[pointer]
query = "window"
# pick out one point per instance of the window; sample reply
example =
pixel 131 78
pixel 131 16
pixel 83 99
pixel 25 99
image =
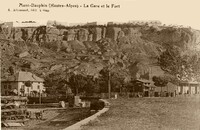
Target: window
pixel 27 89
pixel 38 86
pixel 9 86
pixel 5 86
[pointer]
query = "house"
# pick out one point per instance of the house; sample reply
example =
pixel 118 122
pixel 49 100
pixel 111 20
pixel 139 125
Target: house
pixel 170 88
pixel 189 88
pixel 144 86
pixel 22 84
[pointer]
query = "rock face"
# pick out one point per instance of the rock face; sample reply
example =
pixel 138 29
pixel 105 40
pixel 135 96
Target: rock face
pixel 83 35
pixel 52 34
pixel 18 34
pixel 51 49
pixel 112 33
pixel 97 34
pixel 178 36
pixel 7 48
pixel 23 54
pixel 141 38
pixel 71 35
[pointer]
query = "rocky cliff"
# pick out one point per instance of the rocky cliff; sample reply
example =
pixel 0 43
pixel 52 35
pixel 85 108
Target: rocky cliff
pixel 85 49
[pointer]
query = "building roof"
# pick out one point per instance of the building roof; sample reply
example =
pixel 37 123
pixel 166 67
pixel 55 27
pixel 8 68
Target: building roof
pixel 150 82
pixel 145 80
pixel 24 76
pixel 191 82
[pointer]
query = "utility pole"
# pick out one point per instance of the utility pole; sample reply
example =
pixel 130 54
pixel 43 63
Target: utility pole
pixel 109 86
pixel 40 98
pixel 109 62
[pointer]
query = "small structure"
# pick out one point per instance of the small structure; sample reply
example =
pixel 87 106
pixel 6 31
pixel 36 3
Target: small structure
pixel 26 24
pixel 7 25
pixel 22 84
pixel 76 24
pixel 146 22
pixel 144 87
pixel 95 23
pixel 189 88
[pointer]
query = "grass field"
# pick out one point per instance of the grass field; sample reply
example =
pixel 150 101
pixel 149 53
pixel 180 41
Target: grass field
pixel 166 113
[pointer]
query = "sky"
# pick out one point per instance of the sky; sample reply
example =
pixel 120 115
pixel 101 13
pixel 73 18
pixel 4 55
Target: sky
pixel 180 12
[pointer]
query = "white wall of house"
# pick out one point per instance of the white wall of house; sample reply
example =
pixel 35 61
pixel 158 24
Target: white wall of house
pixel 193 90
pixel 183 89
pixel 36 86
pixel 6 87
pixel 186 89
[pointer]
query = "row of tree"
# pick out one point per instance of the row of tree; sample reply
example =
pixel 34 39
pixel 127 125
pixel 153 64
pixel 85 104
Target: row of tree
pixel 82 84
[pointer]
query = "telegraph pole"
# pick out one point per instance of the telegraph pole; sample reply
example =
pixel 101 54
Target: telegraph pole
pixel 40 97
pixel 109 86
pixel 109 62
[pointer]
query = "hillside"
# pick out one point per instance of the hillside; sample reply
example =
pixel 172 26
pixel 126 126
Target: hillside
pixel 86 50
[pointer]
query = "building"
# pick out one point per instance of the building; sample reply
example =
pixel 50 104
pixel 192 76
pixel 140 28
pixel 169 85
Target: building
pixel 21 24
pixel 51 23
pixel 146 22
pixel 22 84
pixel 144 87
pixel 95 23
pixel 7 25
pixel 112 23
pixel 189 88
pixel 170 88
pixel 76 24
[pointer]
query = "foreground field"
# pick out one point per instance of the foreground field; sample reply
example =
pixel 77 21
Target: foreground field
pixel 175 113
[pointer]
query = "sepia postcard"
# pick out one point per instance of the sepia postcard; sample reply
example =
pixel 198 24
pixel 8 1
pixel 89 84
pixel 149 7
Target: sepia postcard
pixel 100 64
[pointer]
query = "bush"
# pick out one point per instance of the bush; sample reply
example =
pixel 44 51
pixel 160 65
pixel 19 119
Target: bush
pixel 97 105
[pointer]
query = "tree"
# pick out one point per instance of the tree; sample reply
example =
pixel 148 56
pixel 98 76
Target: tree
pixel 77 83
pixel 54 82
pixel 181 67
pixel 90 85
pixel 117 77
pixel 103 80
pixel 28 83
pixel 11 70
pixel 160 81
